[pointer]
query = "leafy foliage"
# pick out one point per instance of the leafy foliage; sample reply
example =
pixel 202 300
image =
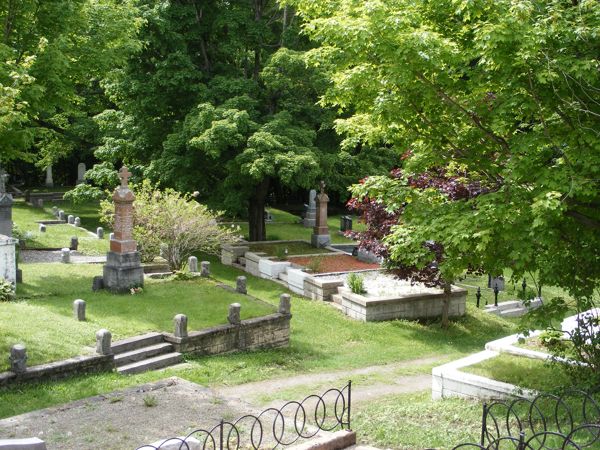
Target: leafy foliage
pixel 7 290
pixel 356 283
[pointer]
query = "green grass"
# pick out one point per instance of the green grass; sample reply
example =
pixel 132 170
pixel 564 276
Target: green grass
pixel 57 236
pixel 522 372
pixel 414 421
pixel 293 248
pixel 42 317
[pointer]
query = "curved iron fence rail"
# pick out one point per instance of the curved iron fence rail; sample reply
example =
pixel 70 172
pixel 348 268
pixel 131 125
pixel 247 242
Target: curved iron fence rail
pixel 272 427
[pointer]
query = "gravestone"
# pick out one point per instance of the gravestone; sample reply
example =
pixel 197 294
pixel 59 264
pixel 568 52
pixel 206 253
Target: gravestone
pixel 234 314
pixel 496 282
pixel 345 223
pixel 310 215
pixel 65 255
pixel 205 268
pixel 77 222
pixel 100 232
pixel 79 310
pixel 193 264
pixel 42 228
pixel 8 259
pixel 70 219
pixel 268 217
pixel 241 285
pixel 123 269
pixel 6 202
pixel 111 236
pixel 80 173
pixel 320 236
pixel 62 216
pixel 285 304
pixel 97 283
pixel 103 342
pixel 180 323
pixel 74 243
pixel 55 211
pixel 18 358
pixel 49 181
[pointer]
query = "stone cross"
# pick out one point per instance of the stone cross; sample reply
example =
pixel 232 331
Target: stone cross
pixel 124 175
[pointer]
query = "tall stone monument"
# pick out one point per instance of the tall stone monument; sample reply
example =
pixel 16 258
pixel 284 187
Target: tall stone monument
pixel 49 181
pixel 320 236
pixel 123 268
pixel 80 173
pixel 310 219
pixel 6 202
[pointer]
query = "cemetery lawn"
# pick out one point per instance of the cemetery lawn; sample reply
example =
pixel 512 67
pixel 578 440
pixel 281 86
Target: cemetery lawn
pixel 522 372
pixel 322 338
pixel 42 316
pixel 56 236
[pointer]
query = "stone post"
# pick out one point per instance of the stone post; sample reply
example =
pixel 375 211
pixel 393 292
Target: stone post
pixel 234 314
pixel 65 254
pixel 77 222
pixel 123 269
pixel 42 228
pixel 180 321
pixel 74 243
pixel 285 304
pixel 103 342
pixel 49 181
pixel 205 269
pixel 79 310
pixel 241 285
pixel 100 232
pixel 193 264
pixel 18 358
pixel 320 236
pixel 6 202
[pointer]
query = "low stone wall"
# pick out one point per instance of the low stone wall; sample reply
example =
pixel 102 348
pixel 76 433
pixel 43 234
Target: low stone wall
pixel 261 332
pixel 318 289
pixel 61 369
pixel 413 306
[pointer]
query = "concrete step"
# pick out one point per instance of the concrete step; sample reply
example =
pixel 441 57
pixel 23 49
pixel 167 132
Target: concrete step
pixel 139 354
pixel 283 276
pixel 336 298
pixel 157 362
pixel 136 342
pixel 515 312
pixel 502 306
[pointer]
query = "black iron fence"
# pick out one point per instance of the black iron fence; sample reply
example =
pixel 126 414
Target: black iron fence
pixel 273 427
pixel 546 422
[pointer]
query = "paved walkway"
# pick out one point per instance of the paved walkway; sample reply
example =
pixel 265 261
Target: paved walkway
pixel 42 256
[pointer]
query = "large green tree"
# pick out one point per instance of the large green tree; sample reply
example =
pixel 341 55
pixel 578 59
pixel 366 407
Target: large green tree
pixel 505 94
pixel 53 54
pixel 221 101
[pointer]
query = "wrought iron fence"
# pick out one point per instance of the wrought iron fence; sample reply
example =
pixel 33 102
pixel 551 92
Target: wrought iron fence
pixel 273 427
pixel 546 422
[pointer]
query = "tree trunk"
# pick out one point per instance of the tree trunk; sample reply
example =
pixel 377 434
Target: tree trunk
pixel 256 212
pixel 446 305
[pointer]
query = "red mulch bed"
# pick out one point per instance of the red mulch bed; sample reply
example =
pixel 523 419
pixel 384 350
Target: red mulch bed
pixel 337 263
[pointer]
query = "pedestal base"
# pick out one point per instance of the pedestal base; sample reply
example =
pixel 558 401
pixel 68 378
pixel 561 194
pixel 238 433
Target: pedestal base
pixel 320 240
pixel 122 272
pixel 310 220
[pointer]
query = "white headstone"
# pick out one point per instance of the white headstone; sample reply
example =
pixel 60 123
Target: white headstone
pixel 49 180
pixel 8 261
pixel 80 172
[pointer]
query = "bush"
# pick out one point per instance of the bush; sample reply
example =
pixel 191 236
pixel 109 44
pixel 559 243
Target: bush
pixel 172 224
pixel 356 283
pixel 7 290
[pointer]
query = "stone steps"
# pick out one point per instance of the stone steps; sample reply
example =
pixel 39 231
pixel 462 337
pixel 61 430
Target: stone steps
pixel 140 354
pixel 136 342
pixel 514 312
pixel 336 298
pixel 283 276
pixel 156 362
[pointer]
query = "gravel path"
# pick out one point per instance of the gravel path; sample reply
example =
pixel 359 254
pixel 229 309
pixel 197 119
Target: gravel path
pixel 39 256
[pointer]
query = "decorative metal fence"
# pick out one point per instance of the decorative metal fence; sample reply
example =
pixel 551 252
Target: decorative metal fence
pixel 546 422
pixel 273 427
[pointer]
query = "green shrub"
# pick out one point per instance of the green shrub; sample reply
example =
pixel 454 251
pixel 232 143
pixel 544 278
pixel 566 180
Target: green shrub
pixel 314 265
pixel 7 290
pixel 356 283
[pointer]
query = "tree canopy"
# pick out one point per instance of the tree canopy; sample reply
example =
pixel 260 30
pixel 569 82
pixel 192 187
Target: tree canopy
pixel 505 94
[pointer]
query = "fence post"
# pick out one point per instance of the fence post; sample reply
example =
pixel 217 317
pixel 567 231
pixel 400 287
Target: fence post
pixel 221 435
pixel 478 296
pixel 349 402
pixel 484 423
pixel 521 441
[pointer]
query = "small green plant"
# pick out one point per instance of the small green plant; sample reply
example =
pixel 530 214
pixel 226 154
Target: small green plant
pixel 282 253
pixel 7 290
pixel 314 265
pixel 553 340
pixel 356 283
pixel 150 401
pixel 180 275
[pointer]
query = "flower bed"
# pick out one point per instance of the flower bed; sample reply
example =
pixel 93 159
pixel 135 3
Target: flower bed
pixel 332 263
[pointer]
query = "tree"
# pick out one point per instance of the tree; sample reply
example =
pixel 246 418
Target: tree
pixel 503 93
pixel 53 55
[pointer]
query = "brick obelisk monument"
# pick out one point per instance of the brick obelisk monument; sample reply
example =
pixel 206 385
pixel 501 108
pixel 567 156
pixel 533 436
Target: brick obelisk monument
pixel 320 236
pixel 123 269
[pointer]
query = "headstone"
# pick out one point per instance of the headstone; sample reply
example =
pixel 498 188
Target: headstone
pixel 49 181
pixel 62 216
pixel 100 232
pixel 240 285
pixel 6 202
pixel 65 254
pixel 97 283
pixel 496 281
pixel 285 304
pixel 80 173
pixel 24 444
pixel 38 203
pixel 18 358
pixel 71 219
pixel 268 217
pixel 234 314
pixel 345 223
pixel 55 211
pixel 79 310
pixel 310 216
pixel 42 228
pixel 180 322
pixel 8 259
pixel 320 236
pixel 205 269
pixel 123 269
pixel 111 236
pixel 193 264
pixel 74 243
pixel 103 342
pixel 77 222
